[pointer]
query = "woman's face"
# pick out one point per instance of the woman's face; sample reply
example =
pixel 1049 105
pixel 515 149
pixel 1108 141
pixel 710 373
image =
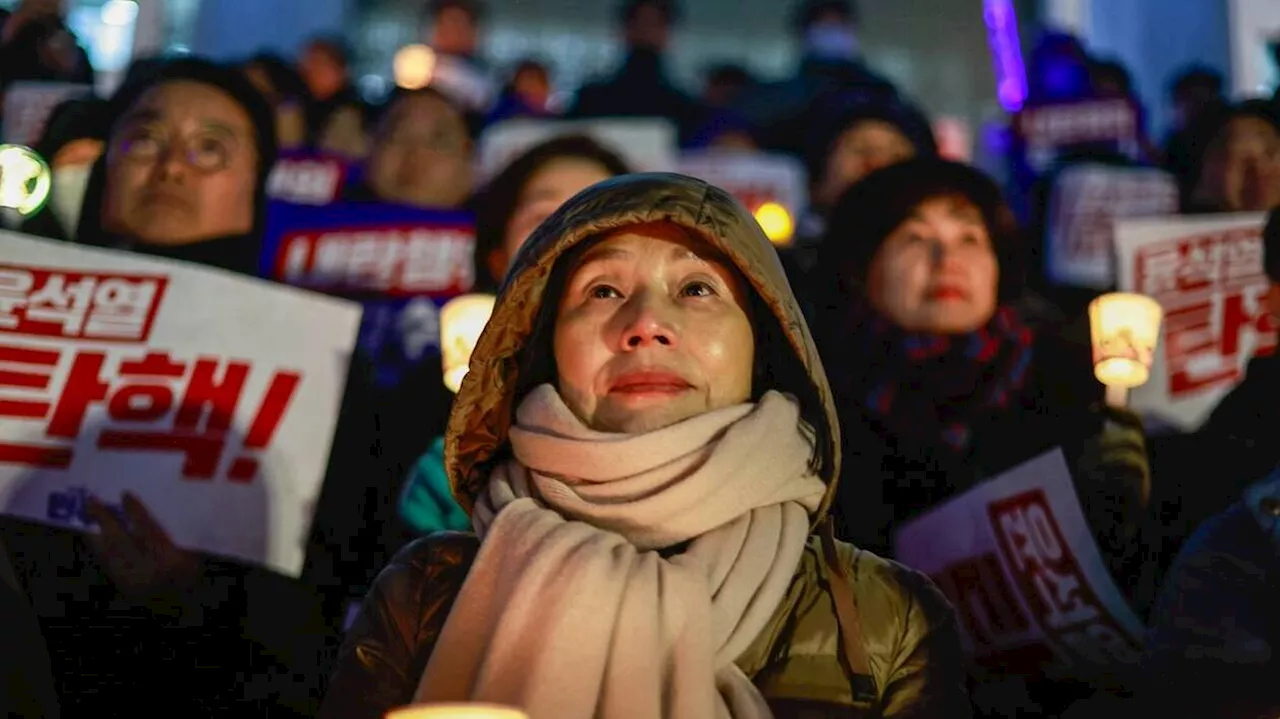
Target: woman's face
pixel 652 329
pixel 1242 169
pixel 553 184
pixel 422 157
pixel 937 271
pixel 182 166
pixel 860 150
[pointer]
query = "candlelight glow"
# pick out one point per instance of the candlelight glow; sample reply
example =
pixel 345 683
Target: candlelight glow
pixel 457 711
pixel 462 319
pixel 414 66
pixel 25 179
pixel 1125 329
pixel 776 223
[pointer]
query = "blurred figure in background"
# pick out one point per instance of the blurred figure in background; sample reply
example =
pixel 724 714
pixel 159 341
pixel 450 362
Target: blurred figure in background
pixel 36 44
pixel 725 85
pixel 285 90
pixel 527 191
pixel 452 29
pixel 723 125
pixel 421 153
pixel 527 94
pixel 1196 91
pixel 336 115
pixel 846 146
pixel 641 87
pixel 74 138
pixel 1216 622
pixel 1237 167
pixel 831 70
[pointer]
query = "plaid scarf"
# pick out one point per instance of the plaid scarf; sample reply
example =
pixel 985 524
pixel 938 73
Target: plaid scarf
pixel 932 389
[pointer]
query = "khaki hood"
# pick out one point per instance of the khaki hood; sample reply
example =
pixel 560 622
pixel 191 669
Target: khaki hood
pixel 483 409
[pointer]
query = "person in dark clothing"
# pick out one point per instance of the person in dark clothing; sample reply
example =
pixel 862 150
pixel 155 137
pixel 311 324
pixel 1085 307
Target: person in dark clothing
pixel 26 678
pixel 831 70
pixel 641 86
pixel 1215 624
pixel 1236 160
pixel 526 95
pixel 941 381
pixel 1194 92
pixel 36 44
pixel 73 140
pixel 287 94
pixel 1235 445
pixel 184 177
pixel 334 106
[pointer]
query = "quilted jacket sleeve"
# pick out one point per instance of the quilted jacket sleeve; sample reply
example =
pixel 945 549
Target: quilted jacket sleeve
pixel 387 648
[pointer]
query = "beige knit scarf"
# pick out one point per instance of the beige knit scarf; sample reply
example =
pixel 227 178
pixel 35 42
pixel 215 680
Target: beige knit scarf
pixel 570 612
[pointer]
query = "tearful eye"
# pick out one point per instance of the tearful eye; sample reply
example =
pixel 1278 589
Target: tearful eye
pixel 698 289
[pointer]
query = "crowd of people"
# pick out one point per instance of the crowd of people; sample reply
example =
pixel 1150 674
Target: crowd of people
pixel 671 483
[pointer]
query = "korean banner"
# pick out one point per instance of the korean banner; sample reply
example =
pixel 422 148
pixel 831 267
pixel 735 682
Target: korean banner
pixel 27 106
pixel 1086 199
pixel 646 145
pixel 1046 130
pixel 305 179
pixel 1017 560
pixel 401 263
pixel 1207 274
pixel 210 396
pixel 753 177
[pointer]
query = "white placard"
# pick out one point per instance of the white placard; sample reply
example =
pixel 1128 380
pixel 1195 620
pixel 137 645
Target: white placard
pixel 646 145
pixel 210 396
pixel 1207 274
pixel 753 177
pixel 27 106
pixel 1017 560
pixel 1085 202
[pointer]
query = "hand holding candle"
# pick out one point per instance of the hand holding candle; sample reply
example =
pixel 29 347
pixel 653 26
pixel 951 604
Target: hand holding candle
pixel 1125 328
pixel 462 319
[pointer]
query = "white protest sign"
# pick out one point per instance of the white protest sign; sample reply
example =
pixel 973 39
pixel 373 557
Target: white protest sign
pixel 1207 274
pixel 210 396
pixel 27 106
pixel 646 145
pixel 753 177
pixel 1017 560
pixel 307 180
pixel 1086 200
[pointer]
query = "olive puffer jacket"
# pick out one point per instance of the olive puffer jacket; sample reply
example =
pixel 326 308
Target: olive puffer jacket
pixel 856 635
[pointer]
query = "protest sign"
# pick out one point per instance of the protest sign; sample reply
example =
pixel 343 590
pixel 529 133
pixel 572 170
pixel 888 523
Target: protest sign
pixel 1207 274
pixel 646 145
pixel 1086 200
pixel 27 106
pixel 1017 560
pixel 210 396
pixel 753 177
pixel 401 263
pixel 1048 129
pixel 307 179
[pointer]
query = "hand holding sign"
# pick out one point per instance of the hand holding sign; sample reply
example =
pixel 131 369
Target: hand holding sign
pixel 138 553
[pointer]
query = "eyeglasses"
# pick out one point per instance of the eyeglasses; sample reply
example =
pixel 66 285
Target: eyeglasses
pixel 204 151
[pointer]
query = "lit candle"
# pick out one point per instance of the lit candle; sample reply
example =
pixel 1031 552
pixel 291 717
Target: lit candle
pixel 776 223
pixel 414 66
pixel 1125 329
pixel 457 711
pixel 462 319
pixel 25 179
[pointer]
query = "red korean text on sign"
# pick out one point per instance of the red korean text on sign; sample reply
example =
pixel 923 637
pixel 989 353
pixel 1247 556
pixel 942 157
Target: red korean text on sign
pixel 1213 290
pixel 44 302
pixel 1051 581
pixel 154 403
pixel 434 261
pixel 995 622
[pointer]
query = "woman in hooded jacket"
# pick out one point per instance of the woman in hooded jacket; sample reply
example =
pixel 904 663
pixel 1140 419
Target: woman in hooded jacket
pixel 647 446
